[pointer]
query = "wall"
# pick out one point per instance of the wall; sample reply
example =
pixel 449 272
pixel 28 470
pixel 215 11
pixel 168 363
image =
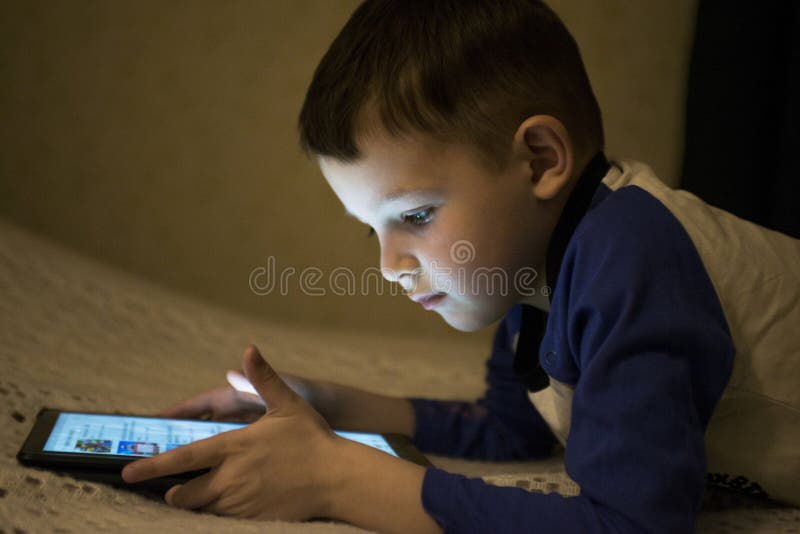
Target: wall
pixel 160 137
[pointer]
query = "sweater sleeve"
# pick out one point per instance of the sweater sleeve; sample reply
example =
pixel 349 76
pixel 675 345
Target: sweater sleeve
pixel 636 326
pixel 501 425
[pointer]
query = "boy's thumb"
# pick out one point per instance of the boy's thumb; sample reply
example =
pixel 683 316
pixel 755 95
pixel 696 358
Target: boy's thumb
pixel 269 385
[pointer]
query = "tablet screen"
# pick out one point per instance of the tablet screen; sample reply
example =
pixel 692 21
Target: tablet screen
pixel 123 435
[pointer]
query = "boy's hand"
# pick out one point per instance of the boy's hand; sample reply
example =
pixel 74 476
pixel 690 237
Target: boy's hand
pixel 220 404
pixel 227 404
pixel 278 467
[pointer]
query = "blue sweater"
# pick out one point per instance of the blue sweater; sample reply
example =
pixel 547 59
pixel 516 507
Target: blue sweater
pixel 635 326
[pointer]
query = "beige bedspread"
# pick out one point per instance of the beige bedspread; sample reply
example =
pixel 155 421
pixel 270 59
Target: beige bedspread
pixel 75 334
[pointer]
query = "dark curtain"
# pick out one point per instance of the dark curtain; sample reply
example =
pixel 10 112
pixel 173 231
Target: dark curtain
pixel 742 150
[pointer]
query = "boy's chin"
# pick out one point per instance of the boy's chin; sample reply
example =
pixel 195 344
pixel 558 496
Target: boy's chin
pixel 466 322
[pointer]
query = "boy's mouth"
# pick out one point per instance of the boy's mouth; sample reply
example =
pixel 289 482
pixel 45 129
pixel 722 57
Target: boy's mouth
pixel 429 300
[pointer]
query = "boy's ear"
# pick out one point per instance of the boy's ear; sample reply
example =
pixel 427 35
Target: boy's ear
pixel 545 148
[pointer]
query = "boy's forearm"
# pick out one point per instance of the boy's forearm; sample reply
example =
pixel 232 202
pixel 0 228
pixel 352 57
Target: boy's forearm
pixel 376 491
pixel 348 408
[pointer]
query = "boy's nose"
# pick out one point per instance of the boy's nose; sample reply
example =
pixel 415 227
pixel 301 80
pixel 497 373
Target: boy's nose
pixel 404 276
pixel 399 268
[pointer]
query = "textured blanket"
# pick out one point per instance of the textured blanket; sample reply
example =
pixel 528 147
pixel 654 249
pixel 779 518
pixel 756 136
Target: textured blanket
pixel 75 334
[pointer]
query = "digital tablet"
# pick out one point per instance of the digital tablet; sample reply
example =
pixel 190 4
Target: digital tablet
pixel 95 446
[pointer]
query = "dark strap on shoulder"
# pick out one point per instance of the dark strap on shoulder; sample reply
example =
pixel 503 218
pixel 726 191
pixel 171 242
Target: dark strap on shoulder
pixel 526 358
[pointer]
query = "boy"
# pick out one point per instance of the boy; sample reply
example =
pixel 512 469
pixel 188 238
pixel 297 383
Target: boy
pixel 662 346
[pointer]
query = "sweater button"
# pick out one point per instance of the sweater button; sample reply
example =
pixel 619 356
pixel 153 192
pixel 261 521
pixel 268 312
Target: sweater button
pixel 549 356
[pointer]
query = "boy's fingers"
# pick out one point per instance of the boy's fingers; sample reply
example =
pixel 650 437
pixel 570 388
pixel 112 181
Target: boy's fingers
pixel 196 493
pixel 265 380
pixel 240 383
pixel 198 455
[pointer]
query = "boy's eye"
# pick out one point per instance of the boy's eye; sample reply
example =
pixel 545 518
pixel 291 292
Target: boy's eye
pixel 420 218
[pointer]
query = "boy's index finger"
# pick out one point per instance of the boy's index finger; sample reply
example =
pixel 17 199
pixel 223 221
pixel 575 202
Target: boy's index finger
pixel 191 457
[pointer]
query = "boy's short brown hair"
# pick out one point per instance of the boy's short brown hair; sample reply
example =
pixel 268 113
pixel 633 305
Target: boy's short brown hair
pixel 463 71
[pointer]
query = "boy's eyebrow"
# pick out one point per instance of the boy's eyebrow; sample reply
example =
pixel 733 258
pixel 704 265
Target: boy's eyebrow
pixel 397 195
pixel 401 193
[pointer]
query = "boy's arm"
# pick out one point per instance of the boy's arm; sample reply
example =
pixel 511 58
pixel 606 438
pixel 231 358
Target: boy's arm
pixel 502 425
pixel 376 491
pixel 356 410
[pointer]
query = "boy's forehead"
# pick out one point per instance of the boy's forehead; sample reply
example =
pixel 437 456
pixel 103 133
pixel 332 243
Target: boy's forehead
pixel 388 172
pixel 398 165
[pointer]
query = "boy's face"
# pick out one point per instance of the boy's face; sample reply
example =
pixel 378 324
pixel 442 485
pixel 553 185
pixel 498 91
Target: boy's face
pixel 447 225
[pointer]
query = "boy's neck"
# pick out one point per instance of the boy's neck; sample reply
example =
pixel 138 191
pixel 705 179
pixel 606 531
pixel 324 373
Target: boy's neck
pixel 576 204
